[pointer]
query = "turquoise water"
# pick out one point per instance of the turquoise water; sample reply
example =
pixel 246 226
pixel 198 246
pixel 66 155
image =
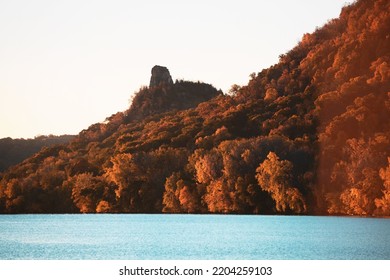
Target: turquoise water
pixel 130 236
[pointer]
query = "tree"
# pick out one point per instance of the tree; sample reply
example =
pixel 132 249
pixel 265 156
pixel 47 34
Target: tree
pixel 125 174
pixel 171 203
pixel 180 196
pixel 274 176
pixel 383 203
pixel 355 201
pixel 88 193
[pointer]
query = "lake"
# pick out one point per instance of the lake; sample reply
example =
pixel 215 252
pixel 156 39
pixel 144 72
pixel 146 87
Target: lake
pixel 164 237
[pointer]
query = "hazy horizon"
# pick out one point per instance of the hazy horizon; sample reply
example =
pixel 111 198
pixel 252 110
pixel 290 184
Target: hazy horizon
pixel 69 64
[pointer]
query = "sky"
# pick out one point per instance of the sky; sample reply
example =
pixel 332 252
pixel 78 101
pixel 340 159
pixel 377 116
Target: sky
pixel 66 64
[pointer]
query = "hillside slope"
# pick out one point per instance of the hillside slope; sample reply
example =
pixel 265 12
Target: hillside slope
pixel 307 135
pixel 13 151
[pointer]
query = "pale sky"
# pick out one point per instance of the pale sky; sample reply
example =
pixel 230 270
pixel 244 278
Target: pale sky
pixel 67 64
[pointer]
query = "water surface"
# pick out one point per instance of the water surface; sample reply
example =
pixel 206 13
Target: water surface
pixel 142 236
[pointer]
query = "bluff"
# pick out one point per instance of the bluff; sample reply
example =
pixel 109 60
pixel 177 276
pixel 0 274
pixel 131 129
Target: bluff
pixel 160 75
pixel 163 95
pixel 308 135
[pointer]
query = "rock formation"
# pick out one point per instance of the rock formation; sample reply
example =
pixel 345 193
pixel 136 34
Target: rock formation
pixel 160 75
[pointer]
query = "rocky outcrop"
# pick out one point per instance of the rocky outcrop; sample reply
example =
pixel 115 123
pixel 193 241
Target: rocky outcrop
pixel 160 75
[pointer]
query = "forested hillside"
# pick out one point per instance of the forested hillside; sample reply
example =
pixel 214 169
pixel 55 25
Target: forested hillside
pixel 309 135
pixel 13 151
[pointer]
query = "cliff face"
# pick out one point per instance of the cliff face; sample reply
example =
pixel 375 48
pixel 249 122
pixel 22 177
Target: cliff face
pixel 307 135
pixel 160 75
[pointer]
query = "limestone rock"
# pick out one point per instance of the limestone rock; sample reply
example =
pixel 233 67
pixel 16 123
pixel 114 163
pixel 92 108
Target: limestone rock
pixel 160 75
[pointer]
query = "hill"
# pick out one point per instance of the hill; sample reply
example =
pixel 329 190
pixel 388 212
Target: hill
pixel 13 151
pixel 307 135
